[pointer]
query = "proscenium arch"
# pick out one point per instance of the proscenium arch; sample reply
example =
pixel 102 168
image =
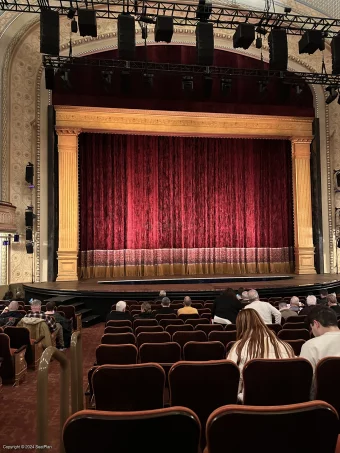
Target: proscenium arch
pixel 108 41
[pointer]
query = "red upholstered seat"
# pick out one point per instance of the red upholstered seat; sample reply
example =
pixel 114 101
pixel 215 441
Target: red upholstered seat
pixel 294 334
pixel 195 322
pixel 122 354
pixel 224 337
pixel 153 337
pixel 180 328
pixel 183 337
pixel 202 351
pixel 118 338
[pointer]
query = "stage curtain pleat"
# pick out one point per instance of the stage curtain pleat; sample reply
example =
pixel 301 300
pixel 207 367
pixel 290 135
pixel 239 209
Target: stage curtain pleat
pixel 153 205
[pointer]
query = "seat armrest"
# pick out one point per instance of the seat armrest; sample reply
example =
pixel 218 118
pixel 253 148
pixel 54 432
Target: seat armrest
pixel 21 349
pixel 78 321
pixel 40 339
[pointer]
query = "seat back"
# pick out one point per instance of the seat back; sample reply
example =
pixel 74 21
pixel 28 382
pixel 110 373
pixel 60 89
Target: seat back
pixel 119 387
pixel 225 422
pixel 296 319
pixel 180 328
pixel 296 345
pixel 144 322
pixel 118 338
pixel 204 386
pixel 70 313
pixel 194 322
pixel 183 337
pixel 326 381
pixel 160 352
pixel 224 337
pixel 141 329
pixel 294 334
pixel 185 317
pixel 177 428
pixel 275 327
pixel 7 365
pixel 207 328
pixel 153 337
pixel 270 382
pixel 119 323
pixel 230 327
pixel 111 329
pixel 203 351
pixel 165 316
pixel 294 325
pixel 116 354
pixel 20 336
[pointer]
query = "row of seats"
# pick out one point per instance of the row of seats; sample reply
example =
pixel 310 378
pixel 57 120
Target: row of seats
pixel 177 429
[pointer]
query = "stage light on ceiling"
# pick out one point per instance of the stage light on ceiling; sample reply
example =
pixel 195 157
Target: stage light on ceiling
pixel 187 84
pixel 164 29
pixel 207 86
pixel 287 10
pixel 261 31
pixel 226 85
pixel 333 93
pixel 204 9
pixel 74 26
pixel 244 36
pixel 258 43
pixel 311 41
pixel 71 13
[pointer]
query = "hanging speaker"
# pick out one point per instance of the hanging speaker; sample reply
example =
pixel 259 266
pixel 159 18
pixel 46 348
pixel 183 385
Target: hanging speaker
pixel 126 37
pixel 29 219
pixel 29 248
pixel 49 32
pixel 49 78
pixel 278 49
pixel 87 22
pixel 311 41
pixel 244 36
pixel 164 28
pixel 205 43
pixel 335 46
pixel 29 234
pixel 29 174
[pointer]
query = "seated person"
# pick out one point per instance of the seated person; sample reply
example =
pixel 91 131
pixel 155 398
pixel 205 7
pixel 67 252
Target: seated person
pixel 264 309
pixel 333 303
pixel 311 302
pixel 322 299
pixel 165 310
pixel 159 298
pixel 187 309
pixel 255 341
pixel 19 295
pixel 285 311
pixel 52 325
pixel 226 307
pixel 8 295
pixel 145 312
pixel 295 304
pixel 120 313
pixel 66 324
pixel 10 316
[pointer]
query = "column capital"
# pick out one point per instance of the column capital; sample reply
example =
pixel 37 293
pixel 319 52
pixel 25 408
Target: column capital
pixel 70 131
pixel 301 148
pixel 301 140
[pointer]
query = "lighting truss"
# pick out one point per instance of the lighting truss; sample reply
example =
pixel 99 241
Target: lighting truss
pixel 183 14
pixel 58 63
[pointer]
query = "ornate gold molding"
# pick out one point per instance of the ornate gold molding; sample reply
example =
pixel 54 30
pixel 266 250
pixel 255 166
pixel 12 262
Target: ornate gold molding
pixel 7 217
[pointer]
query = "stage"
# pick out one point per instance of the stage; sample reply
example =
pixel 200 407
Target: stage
pixel 99 297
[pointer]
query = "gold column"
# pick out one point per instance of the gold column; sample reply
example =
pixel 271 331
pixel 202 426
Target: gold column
pixel 303 228
pixel 68 204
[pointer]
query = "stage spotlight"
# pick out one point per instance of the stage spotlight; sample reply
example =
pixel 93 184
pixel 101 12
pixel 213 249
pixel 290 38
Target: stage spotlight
pixel 74 26
pixel 107 79
pixel 148 80
pixel 278 49
pixel 261 31
pixel 49 32
pixel 244 36
pixel 29 234
pixel 207 86
pixel 226 85
pixel 187 84
pixel 287 10
pixel 65 77
pixel 144 33
pixel 29 248
pixel 16 237
pixel 298 90
pixel 71 13
pixel 263 86
pixel 29 219
pixel 258 43
pixel 29 174
pixel 335 46
pixel 164 28
pixel 126 37
pixel 333 93
pixel 87 22
pixel 204 10
pixel 311 41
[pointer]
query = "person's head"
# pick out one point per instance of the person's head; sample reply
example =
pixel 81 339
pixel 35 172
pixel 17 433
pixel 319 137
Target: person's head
pixel 187 301
pixel 323 294
pixel 121 306
pixel 19 295
pixel 165 302
pixel 253 295
pixel 36 306
pixel 311 300
pixel 240 291
pixel 245 296
pixel 250 328
pixel 283 306
pixel 294 302
pixel 50 306
pixel 8 295
pixel 322 319
pixel 331 300
pixel 145 307
pixel 13 306
pixel 162 293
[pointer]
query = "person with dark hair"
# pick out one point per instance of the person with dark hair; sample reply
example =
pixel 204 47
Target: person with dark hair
pixel 322 299
pixel 8 295
pixel 145 312
pixel 239 293
pixel 323 323
pixel 333 303
pixel 66 324
pixel 166 309
pixel 226 307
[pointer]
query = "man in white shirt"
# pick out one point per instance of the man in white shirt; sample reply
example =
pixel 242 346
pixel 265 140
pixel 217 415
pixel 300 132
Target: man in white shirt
pixel 264 309
pixel 325 329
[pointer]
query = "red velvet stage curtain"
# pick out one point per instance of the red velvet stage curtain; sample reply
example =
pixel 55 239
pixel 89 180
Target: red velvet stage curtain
pixel 154 205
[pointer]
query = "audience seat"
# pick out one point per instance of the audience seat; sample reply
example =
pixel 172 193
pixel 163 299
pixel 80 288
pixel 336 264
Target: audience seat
pixel 209 305
pixel 207 316
pixel 70 313
pixel 13 364
pixel 194 322
pixel 165 354
pixel 203 387
pixel 224 337
pixel 165 316
pixel 296 319
pixel 294 334
pixel 275 327
pixel 120 323
pixel 310 427
pixel 201 311
pixel 186 317
pixel 183 337
pixel 20 336
pixel 230 327
pixel 197 305
pixel 111 329
pixel 180 328
pixel 126 387
pixel 327 381
pixel 296 345
pixel 203 351
pixel 207 328
pixel 118 338
pixel 171 322
pixel 294 325
pixel 229 347
pixel 169 430
pixel 141 329
pixel 144 322
pixel 116 354
pixel 270 382
pixel 153 337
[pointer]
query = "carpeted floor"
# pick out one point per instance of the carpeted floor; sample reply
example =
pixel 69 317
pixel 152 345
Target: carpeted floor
pixel 18 404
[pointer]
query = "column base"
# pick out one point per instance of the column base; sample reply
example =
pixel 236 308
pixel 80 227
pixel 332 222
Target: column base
pixel 304 260
pixel 67 266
